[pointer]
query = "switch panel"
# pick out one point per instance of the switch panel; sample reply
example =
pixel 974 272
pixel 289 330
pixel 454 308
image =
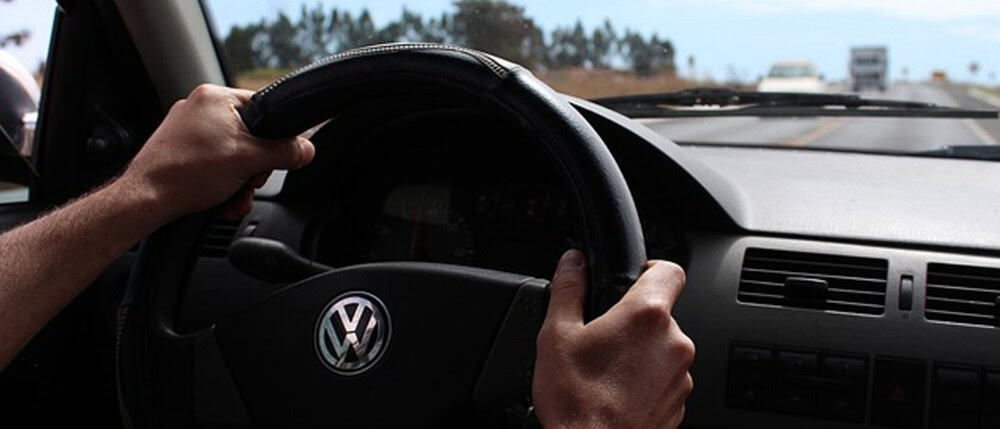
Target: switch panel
pixel 798 382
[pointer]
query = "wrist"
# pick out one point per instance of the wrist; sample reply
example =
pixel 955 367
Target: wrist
pixel 145 201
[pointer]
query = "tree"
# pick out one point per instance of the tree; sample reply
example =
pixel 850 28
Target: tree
pixel 313 36
pixel 16 38
pixel 603 44
pixel 285 48
pixel 497 27
pixel 569 48
pixel 240 52
pixel 494 26
pixel 648 58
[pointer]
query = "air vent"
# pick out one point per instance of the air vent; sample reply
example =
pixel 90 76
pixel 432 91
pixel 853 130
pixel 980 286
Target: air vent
pixel 218 236
pixel 815 281
pixel 964 294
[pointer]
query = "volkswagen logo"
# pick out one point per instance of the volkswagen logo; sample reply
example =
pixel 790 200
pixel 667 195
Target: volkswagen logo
pixel 352 333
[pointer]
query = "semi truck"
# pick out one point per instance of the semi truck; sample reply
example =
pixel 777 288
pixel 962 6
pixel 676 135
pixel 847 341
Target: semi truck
pixel 869 67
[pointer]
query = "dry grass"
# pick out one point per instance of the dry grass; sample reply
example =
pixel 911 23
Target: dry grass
pixel 6 186
pixel 603 83
pixel 257 79
pixel 579 82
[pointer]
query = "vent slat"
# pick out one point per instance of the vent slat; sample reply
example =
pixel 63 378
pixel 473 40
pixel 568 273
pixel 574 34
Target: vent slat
pixel 960 317
pixel 218 236
pixel 853 284
pixel 962 294
pixel 813 274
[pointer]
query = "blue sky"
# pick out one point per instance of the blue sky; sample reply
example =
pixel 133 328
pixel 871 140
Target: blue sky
pixel 743 35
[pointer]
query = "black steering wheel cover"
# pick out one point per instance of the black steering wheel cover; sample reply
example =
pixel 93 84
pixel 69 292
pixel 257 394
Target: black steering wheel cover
pixel 612 232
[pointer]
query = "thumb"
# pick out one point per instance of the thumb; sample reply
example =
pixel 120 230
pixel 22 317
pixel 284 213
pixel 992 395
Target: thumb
pixel 287 154
pixel 569 286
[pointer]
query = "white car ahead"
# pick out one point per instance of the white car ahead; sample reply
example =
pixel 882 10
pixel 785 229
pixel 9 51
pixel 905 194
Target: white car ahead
pixel 792 76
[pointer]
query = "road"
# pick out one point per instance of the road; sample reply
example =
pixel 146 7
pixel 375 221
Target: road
pixel 877 134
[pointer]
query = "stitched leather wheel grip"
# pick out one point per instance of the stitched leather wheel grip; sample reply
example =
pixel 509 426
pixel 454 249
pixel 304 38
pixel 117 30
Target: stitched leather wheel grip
pixel 612 233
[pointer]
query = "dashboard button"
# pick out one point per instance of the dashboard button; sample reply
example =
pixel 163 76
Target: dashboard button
pixel 956 395
pixel 796 399
pixel 843 404
pixel 898 392
pixel 792 363
pixel 749 382
pixel 742 394
pixel 843 397
pixel 796 390
pixel 956 389
pixel 751 357
pixel 844 368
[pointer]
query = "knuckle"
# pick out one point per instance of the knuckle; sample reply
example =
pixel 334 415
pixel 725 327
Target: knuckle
pixel 547 337
pixel 177 105
pixel 684 350
pixel 202 91
pixel 652 312
pixel 554 340
pixel 670 270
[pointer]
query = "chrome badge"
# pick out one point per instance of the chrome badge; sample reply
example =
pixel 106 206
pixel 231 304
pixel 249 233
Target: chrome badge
pixel 352 333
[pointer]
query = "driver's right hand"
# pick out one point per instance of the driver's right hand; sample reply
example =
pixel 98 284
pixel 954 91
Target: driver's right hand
pixel 625 369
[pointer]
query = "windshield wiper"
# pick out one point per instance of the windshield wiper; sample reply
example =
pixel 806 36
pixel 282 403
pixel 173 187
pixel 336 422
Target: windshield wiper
pixel 728 102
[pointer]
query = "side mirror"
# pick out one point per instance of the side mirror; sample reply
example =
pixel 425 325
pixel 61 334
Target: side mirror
pixel 19 95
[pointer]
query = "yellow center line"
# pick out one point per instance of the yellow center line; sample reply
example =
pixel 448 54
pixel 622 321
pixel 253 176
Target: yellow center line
pixel 828 126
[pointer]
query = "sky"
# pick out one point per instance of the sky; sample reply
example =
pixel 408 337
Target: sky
pixel 723 36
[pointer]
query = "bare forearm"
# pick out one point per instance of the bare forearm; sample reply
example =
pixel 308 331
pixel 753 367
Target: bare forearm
pixel 46 263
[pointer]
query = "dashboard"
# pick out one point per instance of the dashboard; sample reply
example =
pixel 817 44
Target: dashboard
pixel 898 326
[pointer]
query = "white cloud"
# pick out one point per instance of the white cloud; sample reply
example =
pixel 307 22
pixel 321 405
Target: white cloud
pixel 991 33
pixel 926 10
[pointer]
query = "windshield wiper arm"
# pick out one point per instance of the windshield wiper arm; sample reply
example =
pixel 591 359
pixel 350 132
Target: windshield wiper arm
pixel 728 102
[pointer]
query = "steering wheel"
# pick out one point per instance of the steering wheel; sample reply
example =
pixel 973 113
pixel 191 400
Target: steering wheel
pixel 384 344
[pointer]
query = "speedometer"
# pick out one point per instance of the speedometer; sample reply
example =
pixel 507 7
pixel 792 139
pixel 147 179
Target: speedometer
pixel 420 223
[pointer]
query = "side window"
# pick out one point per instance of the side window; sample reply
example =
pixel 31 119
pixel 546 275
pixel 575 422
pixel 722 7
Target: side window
pixel 25 29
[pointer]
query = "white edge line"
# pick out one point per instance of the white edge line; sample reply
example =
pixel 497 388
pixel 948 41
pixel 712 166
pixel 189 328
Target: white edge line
pixel 984 97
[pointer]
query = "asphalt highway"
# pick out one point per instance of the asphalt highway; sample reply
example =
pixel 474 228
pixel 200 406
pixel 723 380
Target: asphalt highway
pixel 856 133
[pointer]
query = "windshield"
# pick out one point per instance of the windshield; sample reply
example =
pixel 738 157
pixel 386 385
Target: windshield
pixel 941 52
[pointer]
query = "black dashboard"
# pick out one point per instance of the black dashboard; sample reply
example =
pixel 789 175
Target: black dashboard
pixel 897 325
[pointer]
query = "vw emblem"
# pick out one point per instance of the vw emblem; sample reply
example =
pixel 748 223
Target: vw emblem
pixel 352 333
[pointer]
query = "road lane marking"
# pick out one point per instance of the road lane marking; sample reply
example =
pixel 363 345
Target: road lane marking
pixel 984 97
pixel 978 130
pixel 827 127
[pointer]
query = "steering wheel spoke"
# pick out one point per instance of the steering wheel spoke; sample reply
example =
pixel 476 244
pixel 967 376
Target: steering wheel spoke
pixel 413 335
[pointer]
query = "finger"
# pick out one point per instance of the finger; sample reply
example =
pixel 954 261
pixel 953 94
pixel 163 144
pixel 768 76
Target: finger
pixel 285 154
pixel 662 282
pixel 677 418
pixel 259 180
pixel 242 96
pixel 568 289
